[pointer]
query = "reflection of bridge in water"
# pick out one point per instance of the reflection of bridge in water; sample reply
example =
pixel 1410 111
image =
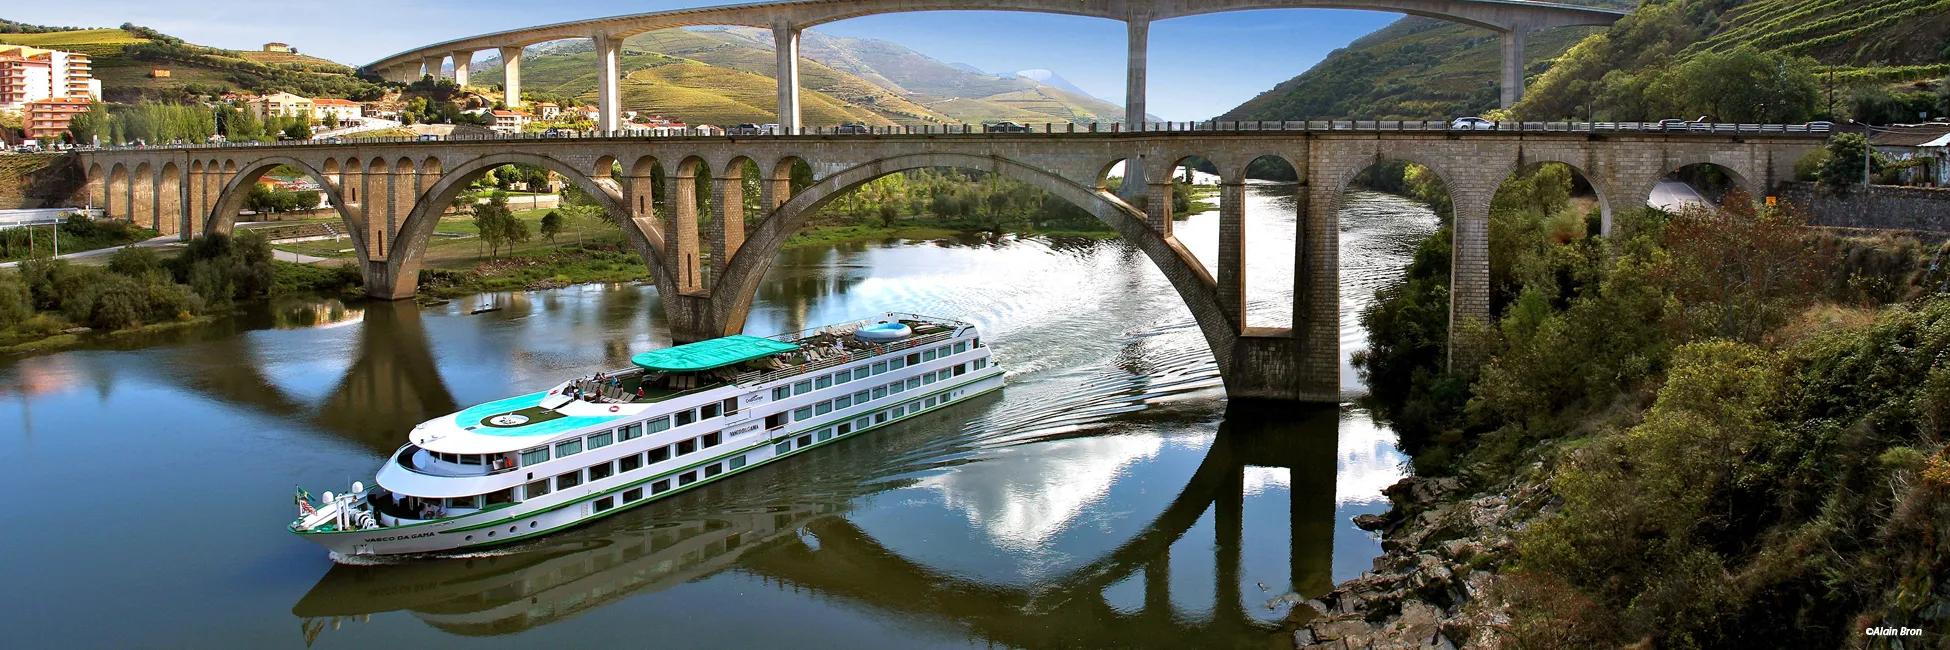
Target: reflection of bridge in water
pixel 812 545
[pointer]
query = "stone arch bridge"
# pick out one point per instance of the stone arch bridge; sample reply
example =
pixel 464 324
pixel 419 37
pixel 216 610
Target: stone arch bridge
pixel 390 196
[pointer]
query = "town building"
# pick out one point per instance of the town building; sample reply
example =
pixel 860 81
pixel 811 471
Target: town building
pixel 548 111
pixel 281 104
pixel 506 121
pixel 47 119
pixel 29 74
pixel 1929 143
pixel 276 47
pixel 336 110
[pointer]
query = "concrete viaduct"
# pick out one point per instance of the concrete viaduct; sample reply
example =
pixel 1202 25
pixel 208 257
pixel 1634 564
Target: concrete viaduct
pixel 1511 19
pixel 391 195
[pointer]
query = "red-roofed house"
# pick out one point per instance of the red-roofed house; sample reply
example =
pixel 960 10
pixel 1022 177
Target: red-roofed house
pixel 507 121
pixel 336 109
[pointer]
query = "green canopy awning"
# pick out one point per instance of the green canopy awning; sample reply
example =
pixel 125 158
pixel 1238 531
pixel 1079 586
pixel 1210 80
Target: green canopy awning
pixel 715 353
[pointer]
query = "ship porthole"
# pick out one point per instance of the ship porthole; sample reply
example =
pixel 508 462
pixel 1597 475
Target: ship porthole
pixel 531 524
pixel 490 533
pixel 470 538
pixel 512 529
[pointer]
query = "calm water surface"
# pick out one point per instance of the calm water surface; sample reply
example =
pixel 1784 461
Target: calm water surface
pixel 1109 496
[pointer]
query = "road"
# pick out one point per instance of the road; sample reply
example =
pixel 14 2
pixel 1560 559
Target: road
pixel 157 242
pixel 1673 196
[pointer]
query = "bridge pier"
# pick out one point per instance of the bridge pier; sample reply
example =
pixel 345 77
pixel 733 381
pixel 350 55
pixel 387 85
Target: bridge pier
pixel 511 81
pixel 609 52
pixel 785 45
pixel 461 61
pixel 1513 42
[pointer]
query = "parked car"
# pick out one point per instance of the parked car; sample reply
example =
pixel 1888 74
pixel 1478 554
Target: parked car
pixel 1472 124
pixel 853 128
pixel 1006 127
pixel 1821 124
pixel 426 137
pixel 743 129
pixel 1674 125
pixel 770 129
pixel 555 133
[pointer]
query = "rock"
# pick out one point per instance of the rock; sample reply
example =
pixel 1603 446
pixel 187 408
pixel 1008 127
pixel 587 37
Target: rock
pixel 1441 642
pixel 1318 606
pixel 1303 637
pixel 1371 522
pixel 1341 629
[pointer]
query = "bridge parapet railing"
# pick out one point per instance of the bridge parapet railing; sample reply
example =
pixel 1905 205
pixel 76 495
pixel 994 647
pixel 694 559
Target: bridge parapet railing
pixel 1069 129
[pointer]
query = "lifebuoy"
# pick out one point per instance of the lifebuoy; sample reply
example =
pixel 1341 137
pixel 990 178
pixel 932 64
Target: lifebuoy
pixel 614 409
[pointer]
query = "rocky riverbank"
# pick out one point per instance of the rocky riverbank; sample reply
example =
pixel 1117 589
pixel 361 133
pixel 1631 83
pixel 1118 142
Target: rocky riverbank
pixel 1432 587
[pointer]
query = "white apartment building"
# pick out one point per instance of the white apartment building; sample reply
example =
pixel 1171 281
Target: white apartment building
pixel 29 74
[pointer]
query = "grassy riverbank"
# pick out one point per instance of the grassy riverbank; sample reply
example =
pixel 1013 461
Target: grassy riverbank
pixel 1654 443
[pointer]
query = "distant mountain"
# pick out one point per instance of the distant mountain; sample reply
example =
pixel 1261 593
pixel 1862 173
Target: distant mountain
pixel 724 76
pixel 1050 78
pixel 968 67
pixel 125 60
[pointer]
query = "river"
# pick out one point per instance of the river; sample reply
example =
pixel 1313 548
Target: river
pixel 1109 496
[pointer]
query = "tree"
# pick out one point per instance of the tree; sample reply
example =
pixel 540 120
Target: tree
pixel 1847 152
pixel 551 225
pixel 498 226
pixel 1740 271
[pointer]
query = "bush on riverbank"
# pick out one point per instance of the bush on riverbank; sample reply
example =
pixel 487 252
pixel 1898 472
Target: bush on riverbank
pixel 540 269
pixel 77 234
pixel 1732 455
pixel 133 290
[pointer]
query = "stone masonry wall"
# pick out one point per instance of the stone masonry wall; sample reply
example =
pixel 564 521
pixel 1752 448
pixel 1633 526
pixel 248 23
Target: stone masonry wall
pixel 1883 207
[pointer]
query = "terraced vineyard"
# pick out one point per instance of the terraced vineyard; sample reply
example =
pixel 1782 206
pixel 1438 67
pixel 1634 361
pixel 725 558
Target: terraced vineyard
pixel 1885 40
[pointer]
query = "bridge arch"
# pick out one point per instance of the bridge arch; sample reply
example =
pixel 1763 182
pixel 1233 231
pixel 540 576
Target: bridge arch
pixel 236 188
pixel 402 270
pixel 1608 209
pixel 730 300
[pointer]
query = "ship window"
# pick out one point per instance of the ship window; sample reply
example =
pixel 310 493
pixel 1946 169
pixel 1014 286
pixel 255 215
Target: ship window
pixel 860 424
pixel 842 376
pixel 879 367
pixel 660 424
pixel 632 494
pixel 802 388
pixel 927 355
pixel 630 432
pixel 463 502
pixel 605 503
pixel 735 462
pixel 931 402
pixel 981 363
pixel 961 346
pixel 781 392
pixel 880 418
pixel 533 456
pixel 687 478
pixel 568 448
pixel 896 364
pixel 601 440
pixel 896 387
pixel 629 463
pixel 775 420
pixel 927 378
pixel 568 480
pixel 843 402
pixel 825 381
pixel 823 408
pixel 825 434
pixel 782 448
pixel 713 438
pixel 660 454
pixel 535 489
pixel 914 406
pixel 600 472
pixel 713 469
pixel 960 368
pixel 879 392
pixel 686 416
pixel 860 397
pixel 687 446
pixel 913 383
pixel 730 405
pixel 470 459
pixel 660 487
pixel 805 441
pixel 498 497
pixel 708 411
pixel 913 358
pixel 802 413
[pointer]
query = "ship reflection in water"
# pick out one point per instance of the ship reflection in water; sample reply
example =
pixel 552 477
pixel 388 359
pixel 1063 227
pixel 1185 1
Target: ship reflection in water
pixel 1125 595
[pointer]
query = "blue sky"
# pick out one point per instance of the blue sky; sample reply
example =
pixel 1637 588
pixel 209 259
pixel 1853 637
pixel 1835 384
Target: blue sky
pixel 1200 66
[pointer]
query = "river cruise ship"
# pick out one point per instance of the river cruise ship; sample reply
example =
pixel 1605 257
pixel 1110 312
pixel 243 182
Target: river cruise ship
pixel 679 417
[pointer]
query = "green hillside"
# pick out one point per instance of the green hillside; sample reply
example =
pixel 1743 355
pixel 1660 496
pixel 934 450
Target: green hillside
pixel 724 76
pixel 1420 68
pixel 123 58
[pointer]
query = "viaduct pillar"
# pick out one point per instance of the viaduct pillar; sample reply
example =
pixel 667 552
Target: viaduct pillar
pixel 785 44
pixel 511 62
pixel 461 61
pixel 727 218
pixel 609 51
pixel 432 67
pixel 1232 249
pixel 1139 43
pixel 1513 42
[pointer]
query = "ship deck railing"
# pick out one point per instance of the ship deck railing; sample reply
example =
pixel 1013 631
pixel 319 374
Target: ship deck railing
pixel 756 377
